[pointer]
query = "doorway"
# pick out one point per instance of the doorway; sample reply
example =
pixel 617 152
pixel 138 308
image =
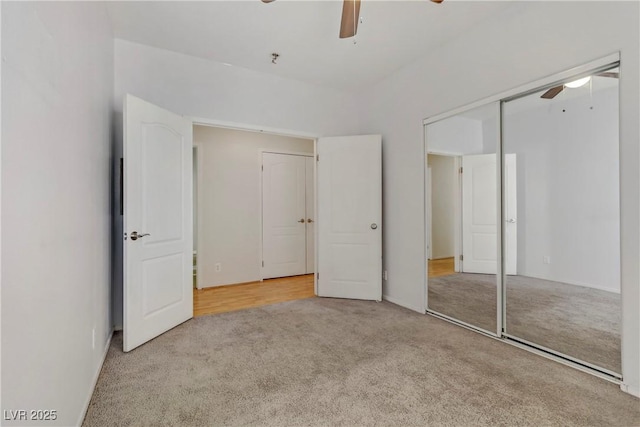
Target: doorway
pixel 229 218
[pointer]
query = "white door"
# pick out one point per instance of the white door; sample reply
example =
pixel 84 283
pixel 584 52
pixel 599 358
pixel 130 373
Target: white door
pixel 479 214
pixel 349 178
pixel 157 221
pixel 284 249
pixel 310 206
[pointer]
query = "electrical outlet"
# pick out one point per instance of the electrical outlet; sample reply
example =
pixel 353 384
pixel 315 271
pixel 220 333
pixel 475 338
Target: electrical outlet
pixel 93 338
pixel 218 267
pixel 384 275
pixel 546 259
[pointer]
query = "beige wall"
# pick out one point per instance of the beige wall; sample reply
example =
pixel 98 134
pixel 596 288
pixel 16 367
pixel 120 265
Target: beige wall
pixel 229 201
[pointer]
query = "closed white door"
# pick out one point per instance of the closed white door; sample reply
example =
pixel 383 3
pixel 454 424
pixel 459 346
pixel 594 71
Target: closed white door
pixel 310 206
pixel 283 215
pixel 479 214
pixel 349 183
pixel 158 245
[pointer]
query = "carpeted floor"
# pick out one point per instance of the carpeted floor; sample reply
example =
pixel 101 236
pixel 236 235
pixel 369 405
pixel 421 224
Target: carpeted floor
pixel 574 320
pixel 339 362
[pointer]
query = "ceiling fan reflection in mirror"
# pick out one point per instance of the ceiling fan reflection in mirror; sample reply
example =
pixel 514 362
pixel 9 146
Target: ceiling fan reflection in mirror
pixel 350 17
pixel 554 91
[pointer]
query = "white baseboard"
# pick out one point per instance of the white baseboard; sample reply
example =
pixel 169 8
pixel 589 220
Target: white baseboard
pixel 403 304
pixel 634 391
pixel 95 381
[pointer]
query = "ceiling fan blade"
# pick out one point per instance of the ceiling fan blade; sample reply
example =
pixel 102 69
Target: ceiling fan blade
pixel 350 18
pixel 613 74
pixel 551 93
pixel 437 1
pixel 267 1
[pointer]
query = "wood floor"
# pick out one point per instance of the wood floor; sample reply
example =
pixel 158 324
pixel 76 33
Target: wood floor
pixel 441 267
pixel 222 299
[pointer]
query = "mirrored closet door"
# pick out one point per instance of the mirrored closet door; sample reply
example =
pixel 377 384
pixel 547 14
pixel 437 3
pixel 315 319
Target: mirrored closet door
pixel 561 159
pixel 462 193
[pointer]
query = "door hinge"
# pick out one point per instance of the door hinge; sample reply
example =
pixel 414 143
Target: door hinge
pixel 318 276
pixel 263 263
pixel 461 258
pixel 460 169
pixel 262 168
pixel 317 157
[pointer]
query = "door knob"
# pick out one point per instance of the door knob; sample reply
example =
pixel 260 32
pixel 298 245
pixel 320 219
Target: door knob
pixel 136 236
pixel 301 220
pixel 511 221
pixel 374 226
pixel 309 220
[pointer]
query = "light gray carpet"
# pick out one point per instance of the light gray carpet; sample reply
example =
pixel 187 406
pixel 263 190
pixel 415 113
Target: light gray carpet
pixel 574 320
pixel 325 362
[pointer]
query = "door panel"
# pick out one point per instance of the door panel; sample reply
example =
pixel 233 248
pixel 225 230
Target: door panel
pixel 479 214
pixel 310 210
pixel 349 217
pixel 158 201
pixel 284 215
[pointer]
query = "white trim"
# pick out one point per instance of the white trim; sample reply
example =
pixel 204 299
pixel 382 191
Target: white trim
pixel 523 89
pixel 94 382
pixel 634 391
pixel 199 121
pixel 315 215
pixel 288 153
pixel 402 304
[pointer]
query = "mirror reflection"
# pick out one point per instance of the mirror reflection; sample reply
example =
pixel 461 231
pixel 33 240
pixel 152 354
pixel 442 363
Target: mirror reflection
pixel 462 226
pixel 563 293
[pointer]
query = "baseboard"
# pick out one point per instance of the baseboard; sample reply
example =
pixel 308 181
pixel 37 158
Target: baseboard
pixel 95 381
pixel 403 304
pixel 574 283
pixel 634 391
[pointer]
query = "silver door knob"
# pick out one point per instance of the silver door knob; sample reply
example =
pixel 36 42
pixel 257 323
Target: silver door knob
pixel 309 220
pixel 511 221
pixel 301 220
pixel 136 236
pixel 374 226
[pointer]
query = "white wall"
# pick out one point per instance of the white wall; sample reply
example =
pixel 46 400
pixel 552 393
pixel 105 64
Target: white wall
pixel 443 192
pixel 230 211
pixel 527 42
pixel 57 84
pixel 568 188
pixel 205 89
pixel 456 135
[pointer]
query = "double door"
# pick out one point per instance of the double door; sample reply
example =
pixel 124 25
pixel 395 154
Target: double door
pixel 288 222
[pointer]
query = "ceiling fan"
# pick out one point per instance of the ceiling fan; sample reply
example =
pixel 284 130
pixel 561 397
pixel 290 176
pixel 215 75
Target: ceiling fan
pixel 350 17
pixel 554 91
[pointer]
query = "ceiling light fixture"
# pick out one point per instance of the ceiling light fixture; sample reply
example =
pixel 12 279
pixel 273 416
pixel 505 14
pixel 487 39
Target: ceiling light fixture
pixel 578 83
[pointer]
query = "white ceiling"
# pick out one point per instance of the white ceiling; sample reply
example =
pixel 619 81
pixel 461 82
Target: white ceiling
pixel 305 34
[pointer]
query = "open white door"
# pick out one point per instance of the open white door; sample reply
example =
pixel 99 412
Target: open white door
pixel 158 207
pixel 349 179
pixel 284 250
pixel 479 214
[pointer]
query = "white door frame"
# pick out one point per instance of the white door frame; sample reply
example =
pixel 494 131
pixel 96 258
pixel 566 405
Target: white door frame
pixel 457 220
pixel 201 121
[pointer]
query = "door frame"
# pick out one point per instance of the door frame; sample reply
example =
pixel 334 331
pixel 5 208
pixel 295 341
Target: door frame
pixel 457 221
pixel 224 124
pixel 285 153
